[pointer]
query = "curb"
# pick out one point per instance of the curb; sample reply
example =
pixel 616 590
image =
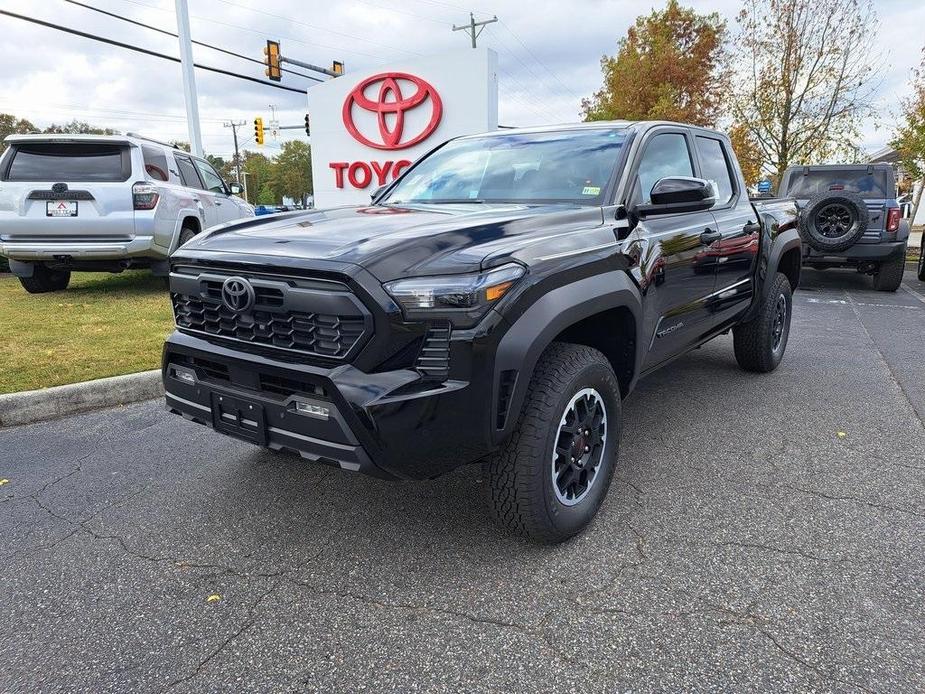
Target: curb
pixel 59 401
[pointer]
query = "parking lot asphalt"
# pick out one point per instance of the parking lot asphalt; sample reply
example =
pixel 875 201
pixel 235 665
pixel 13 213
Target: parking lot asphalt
pixel 764 532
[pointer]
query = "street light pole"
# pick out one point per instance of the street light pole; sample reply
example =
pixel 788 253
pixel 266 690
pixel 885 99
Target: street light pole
pixel 189 79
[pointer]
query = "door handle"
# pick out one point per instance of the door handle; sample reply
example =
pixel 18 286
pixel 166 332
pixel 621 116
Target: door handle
pixel 709 236
pixel 218 202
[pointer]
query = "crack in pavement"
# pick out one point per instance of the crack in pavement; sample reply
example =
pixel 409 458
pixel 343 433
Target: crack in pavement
pixel 872 504
pixel 794 552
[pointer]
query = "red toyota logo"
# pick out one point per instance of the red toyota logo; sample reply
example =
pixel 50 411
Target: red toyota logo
pixel 391 101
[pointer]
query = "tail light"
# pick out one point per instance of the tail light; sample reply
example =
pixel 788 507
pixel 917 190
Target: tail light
pixel 893 216
pixel 144 196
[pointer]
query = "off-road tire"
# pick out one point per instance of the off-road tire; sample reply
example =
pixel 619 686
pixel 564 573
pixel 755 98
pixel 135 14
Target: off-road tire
pixel 756 346
pixel 889 274
pixel 520 476
pixel 45 280
pixel 186 233
pixel 855 219
pixel 921 267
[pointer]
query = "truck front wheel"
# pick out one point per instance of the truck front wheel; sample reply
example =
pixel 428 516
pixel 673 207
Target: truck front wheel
pixel 549 480
pixel 45 280
pixel 760 343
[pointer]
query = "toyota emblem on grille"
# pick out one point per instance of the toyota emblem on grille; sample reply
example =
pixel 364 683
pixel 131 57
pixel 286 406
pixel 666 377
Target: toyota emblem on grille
pixel 237 294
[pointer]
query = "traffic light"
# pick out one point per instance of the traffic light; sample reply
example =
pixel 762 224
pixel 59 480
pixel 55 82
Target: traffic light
pixel 271 58
pixel 337 68
pixel 307 129
pixel 258 130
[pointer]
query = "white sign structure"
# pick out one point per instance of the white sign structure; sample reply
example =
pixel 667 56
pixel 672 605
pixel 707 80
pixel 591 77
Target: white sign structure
pixel 366 128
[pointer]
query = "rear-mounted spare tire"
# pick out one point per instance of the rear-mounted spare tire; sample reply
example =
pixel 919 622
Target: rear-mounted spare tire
pixel 833 221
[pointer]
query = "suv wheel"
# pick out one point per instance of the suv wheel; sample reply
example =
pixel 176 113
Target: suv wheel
pixel 833 222
pixel 889 274
pixel 45 280
pixel 759 344
pixel 550 478
pixel 186 233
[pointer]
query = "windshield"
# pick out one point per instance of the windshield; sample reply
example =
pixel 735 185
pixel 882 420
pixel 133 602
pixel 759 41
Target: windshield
pixel 69 161
pixel 568 166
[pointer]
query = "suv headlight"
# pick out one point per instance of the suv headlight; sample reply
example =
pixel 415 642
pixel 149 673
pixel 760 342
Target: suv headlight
pixel 463 299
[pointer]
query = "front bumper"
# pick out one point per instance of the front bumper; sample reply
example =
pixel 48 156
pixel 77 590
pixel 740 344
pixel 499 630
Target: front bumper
pixel 858 253
pixel 391 424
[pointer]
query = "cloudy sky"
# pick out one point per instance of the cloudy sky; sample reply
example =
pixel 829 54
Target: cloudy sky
pixel 549 54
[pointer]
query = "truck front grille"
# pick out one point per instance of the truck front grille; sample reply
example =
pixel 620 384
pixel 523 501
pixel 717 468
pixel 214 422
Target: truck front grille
pixel 324 320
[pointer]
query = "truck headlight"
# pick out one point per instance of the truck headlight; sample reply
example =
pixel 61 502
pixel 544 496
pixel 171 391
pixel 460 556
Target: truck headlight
pixel 463 299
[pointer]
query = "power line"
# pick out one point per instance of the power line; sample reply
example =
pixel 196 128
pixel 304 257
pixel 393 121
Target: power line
pixel 210 20
pixel 198 43
pixel 146 51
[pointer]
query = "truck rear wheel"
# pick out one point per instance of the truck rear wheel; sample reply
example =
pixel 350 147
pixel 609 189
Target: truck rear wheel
pixel 889 274
pixel 45 280
pixel 760 343
pixel 549 480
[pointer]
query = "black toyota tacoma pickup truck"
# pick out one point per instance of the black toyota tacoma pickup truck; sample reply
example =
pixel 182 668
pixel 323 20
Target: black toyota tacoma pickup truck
pixel 496 303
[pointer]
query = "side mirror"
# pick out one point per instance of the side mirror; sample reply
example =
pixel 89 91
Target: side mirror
pixel 235 189
pixel 376 193
pixel 674 194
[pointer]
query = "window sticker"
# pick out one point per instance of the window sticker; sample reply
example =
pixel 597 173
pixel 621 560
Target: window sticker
pixel 591 190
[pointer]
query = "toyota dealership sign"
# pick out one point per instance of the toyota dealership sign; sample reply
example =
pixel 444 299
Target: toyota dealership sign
pixel 368 127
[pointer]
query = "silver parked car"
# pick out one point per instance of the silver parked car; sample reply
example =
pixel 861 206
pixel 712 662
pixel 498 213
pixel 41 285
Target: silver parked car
pixel 103 203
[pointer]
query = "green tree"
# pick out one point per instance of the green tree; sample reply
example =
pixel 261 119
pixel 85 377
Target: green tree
pixel 258 171
pixel 11 125
pixel 801 76
pixel 77 127
pixel 667 67
pixel 909 138
pixel 292 176
pixel 225 168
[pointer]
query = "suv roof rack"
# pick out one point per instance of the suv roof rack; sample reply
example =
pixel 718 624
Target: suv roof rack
pixel 151 139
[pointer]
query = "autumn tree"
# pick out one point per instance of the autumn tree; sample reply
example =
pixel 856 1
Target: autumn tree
pixel 78 127
pixel 667 67
pixel 909 139
pixel 801 76
pixel 749 154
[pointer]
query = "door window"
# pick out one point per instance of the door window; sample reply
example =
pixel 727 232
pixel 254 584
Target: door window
pixel 211 179
pixel 715 168
pixel 665 155
pixel 188 173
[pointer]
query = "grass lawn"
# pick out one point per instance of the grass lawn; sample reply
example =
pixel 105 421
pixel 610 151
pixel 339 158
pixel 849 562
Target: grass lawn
pixel 102 325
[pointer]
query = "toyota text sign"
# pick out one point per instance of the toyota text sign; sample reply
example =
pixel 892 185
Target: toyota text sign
pixel 368 127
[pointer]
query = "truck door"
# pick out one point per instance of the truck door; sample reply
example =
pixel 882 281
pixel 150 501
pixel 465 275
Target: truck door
pixel 734 254
pixel 678 280
pixel 203 199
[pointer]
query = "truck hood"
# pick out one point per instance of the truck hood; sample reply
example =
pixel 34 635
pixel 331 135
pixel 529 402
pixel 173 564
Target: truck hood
pixel 392 242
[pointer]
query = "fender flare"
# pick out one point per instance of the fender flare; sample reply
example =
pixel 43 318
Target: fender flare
pixel 534 330
pixel 769 261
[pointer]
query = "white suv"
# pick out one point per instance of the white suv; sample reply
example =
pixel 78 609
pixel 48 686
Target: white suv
pixel 103 203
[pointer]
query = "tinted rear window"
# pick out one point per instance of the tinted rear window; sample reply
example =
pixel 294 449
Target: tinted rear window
pixel 68 161
pixel 867 185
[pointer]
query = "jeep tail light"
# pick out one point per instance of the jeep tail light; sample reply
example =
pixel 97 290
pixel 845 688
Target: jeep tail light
pixel 893 215
pixel 144 196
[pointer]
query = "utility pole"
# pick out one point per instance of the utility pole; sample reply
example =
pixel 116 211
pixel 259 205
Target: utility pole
pixel 189 80
pixel 234 125
pixel 473 28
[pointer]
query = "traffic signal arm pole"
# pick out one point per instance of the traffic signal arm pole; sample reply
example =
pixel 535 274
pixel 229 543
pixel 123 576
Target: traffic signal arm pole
pixel 309 66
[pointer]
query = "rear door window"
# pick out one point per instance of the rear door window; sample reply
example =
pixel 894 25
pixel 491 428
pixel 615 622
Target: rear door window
pixel 867 185
pixel 714 167
pixel 155 162
pixel 69 161
pixel 188 173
